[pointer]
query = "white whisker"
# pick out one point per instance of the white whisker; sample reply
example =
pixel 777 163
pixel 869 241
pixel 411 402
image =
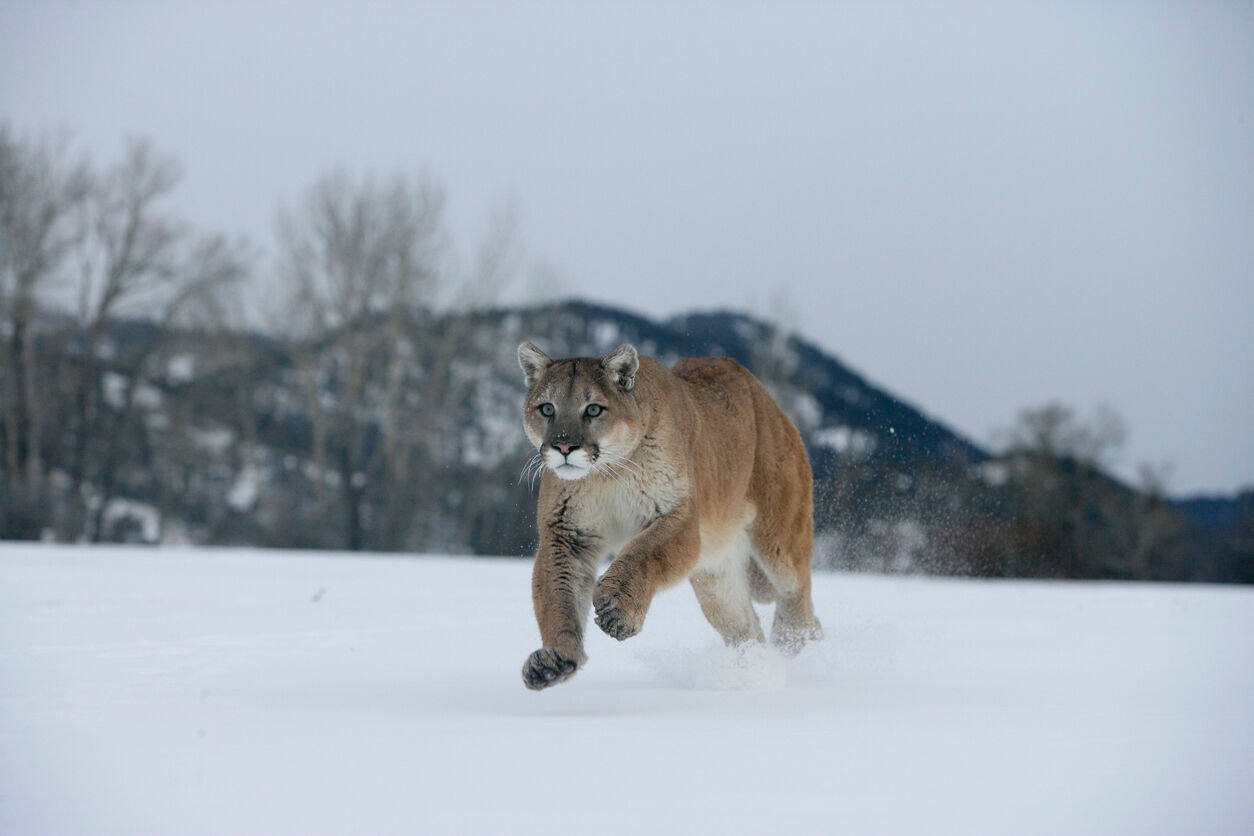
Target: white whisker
pixel 621 469
pixel 531 471
pixel 626 465
pixel 614 473
pixel 527 465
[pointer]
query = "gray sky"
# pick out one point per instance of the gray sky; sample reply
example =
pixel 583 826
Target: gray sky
pixel 980 206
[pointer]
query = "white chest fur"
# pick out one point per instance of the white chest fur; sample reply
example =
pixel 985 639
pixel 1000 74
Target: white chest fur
pixel 618 507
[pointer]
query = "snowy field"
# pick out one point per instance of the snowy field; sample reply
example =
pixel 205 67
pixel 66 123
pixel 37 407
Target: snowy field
pixel 198 691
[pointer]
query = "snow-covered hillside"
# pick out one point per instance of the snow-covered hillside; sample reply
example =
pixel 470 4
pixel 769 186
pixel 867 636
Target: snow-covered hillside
pixel 195 691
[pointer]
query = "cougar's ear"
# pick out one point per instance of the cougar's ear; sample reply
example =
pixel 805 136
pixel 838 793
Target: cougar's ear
pixel 622 363
pixel 532 361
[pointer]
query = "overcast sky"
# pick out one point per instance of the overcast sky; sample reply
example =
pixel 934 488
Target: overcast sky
pixel 981 207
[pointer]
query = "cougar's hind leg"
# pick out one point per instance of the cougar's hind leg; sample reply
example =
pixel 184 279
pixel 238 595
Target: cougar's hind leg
pixel 782 491
pixel 760 586
pixel 783 557
pixel 723 587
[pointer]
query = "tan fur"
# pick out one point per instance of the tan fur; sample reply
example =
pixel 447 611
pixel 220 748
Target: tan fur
pixel 687 473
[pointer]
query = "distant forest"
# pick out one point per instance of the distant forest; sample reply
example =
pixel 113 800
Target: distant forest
pixel 380 410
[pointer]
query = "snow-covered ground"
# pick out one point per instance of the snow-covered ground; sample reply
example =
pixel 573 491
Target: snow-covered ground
pixel 198 691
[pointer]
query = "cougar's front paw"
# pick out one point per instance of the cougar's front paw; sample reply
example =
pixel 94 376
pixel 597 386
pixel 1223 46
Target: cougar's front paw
pixel 549 666
pixel 617 614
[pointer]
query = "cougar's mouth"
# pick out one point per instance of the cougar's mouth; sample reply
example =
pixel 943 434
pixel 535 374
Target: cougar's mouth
pixel 576 465
pixel 570 471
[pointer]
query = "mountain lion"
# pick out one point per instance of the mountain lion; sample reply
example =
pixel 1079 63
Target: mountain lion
pixel 692 472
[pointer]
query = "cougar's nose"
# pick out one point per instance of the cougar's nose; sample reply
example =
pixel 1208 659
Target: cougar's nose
pixel 565 448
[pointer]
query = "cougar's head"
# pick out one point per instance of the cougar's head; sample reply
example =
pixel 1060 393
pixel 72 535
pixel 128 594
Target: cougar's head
pixel 581 414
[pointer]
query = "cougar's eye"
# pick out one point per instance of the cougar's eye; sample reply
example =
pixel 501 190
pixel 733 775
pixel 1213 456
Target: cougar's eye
pixel 547 410
pixel 593 410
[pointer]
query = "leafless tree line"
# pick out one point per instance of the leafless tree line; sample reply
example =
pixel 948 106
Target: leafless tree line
pixel 95 243
pixel 86 248
pixel 365 262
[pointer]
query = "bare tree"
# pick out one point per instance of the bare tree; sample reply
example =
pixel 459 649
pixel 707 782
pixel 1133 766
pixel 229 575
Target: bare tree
pixel 206 272
pixel 1055 430
pixel 1143 530
pixel 133 255
pixel 358 258
pixel 1070 514
pixel 93 246
pixel 1054 457
pixel 40 188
